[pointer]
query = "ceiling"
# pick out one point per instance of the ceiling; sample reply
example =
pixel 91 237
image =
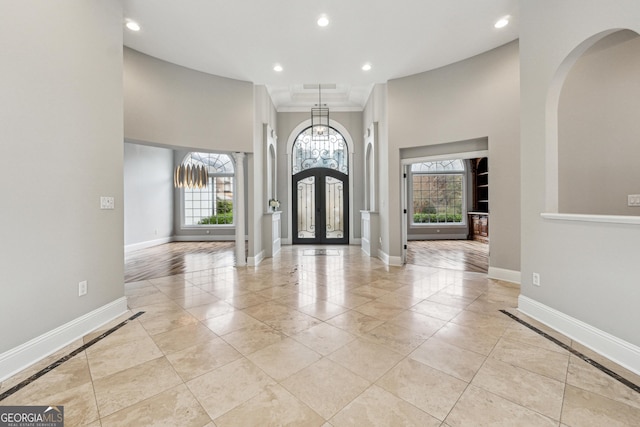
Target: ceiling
pixel 245 39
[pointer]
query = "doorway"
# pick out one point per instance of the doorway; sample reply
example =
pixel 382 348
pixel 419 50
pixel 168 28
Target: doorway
pixel 441 196
pixel 320 187
pixel 320 207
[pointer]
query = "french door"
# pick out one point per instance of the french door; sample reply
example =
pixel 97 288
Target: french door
pixel 321 207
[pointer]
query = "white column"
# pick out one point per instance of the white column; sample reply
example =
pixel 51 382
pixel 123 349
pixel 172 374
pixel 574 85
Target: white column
pixel 238 210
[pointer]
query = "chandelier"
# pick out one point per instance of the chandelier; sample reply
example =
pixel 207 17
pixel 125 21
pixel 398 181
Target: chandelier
pixel 190 176
pixel 320 119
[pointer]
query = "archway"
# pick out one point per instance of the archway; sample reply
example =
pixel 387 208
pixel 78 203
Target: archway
pixel 320 188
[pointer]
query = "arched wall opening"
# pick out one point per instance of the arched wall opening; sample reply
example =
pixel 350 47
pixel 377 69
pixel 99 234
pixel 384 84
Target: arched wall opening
pixel 592 127
pixel 348 139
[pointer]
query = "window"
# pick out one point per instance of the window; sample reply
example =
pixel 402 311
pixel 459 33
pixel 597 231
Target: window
pixel 438 192
pixel 309 153
pixel 212 205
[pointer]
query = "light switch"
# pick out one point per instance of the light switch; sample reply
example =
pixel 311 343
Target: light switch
pixel 633 200
pixel 107 203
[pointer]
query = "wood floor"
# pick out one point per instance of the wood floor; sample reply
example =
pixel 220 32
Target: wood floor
pixel 177 258
pixel 187 257
pixel 465 255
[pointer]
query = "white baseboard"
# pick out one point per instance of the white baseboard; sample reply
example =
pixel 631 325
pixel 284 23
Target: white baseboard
pixel 389 260
pixel 147 244
pixel 613 348
pixel 25 355
pixel 356 241
pixel 503 274
pixel 252 261
pixel 204 238
pixel 451 236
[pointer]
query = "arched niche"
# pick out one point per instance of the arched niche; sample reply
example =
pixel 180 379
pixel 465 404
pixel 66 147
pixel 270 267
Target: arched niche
pixel 271 165
pixel 592 127
pixel 370 175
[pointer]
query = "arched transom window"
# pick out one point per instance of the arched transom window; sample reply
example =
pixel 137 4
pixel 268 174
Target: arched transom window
pixel 437 190
pixel 212 205
pixel 309 153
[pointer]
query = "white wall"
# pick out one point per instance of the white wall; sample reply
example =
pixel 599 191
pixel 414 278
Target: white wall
pixel 60 151
pixel 148 195
pixel 169 105
pixel 588 270
pixel 471 99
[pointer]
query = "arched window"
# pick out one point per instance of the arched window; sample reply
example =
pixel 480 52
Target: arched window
pixel 437 190
pixel 212 205
pixel 309 153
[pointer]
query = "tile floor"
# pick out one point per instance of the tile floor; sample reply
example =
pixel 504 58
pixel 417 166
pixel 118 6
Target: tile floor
pixel 327 341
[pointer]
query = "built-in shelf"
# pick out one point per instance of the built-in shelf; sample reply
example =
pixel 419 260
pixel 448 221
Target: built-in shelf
pixel 479 216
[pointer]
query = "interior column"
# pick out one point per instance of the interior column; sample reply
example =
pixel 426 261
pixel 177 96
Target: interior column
pixel 238 208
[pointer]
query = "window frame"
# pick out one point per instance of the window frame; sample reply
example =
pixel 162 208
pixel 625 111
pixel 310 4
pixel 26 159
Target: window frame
pixel 212 176
pixel 464 190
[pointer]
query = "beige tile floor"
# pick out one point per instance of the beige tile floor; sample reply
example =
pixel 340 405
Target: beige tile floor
pixel 328 341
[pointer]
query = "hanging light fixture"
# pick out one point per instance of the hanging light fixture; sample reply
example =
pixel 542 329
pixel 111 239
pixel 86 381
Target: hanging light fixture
pixel 320 119
pixel 190 176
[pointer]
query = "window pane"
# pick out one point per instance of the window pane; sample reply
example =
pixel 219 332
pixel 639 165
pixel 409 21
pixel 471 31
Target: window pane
pixel 309 153
pixel 212 205
pixel 437 198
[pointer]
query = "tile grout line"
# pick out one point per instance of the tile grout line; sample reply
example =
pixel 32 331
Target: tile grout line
pixel 63 359
pixel 576 353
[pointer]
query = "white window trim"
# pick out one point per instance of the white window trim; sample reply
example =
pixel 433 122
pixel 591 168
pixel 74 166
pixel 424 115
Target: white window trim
pixel 184 226
pixel 462 224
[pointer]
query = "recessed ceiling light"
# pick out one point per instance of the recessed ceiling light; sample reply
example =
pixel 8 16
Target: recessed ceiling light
pixel 323 21
pixel 277 68
pixel 366 67
pixel 133 26
pixel 502 22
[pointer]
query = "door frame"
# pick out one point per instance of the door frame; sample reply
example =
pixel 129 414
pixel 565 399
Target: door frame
pixel 348 139
pixel 320 175
pixel 406 163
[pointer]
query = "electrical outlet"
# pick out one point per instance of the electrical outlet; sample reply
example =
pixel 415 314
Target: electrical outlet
pixel 536 279
pixel 82 288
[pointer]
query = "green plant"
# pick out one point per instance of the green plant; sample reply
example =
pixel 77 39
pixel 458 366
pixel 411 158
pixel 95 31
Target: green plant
pixel 427 218
pixel 224 206
pixel 224 218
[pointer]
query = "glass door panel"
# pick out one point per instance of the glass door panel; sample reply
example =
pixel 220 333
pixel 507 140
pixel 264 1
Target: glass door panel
pixel 334 208
pixel 321 207
pixel 306 208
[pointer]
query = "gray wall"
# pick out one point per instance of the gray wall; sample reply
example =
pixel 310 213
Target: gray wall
pixel 588 270
pixel 475 98
pixel 148 193
pixel 61 149
pixel 598 130
pixel 352 121
pixel 375 111
pixel 173 106
pixel 257 199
